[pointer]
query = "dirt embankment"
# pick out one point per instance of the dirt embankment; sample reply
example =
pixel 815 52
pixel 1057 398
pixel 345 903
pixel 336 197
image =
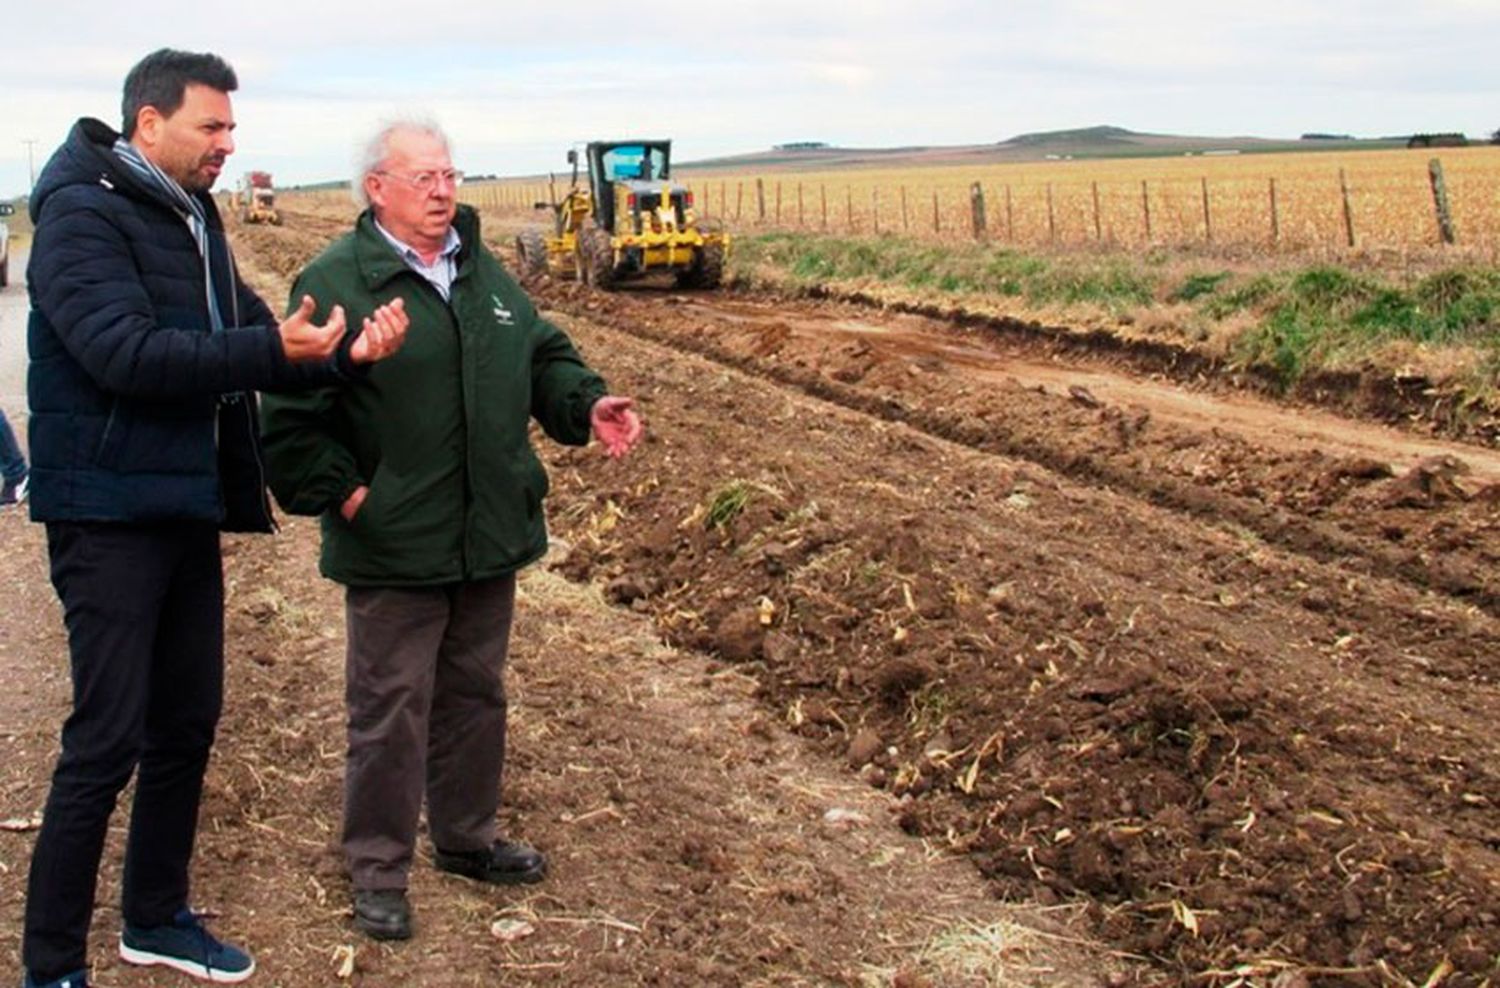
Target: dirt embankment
pixel 1378 500
pixel 1235 694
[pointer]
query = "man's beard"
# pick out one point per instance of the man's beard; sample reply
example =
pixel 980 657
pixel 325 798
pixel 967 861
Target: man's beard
pixel 194 180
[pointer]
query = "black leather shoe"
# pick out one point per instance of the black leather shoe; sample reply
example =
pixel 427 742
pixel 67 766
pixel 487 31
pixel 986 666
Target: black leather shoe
pixel 505 863
pixel 382 914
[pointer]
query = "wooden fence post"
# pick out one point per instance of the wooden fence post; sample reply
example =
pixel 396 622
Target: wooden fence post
pixel 1146 209
pixel 1208 223
pixel 1275 217
pixel 1097 234
pixel 1440 201
pixel 1051 217
pixel 976 209
pixel 778 204
pixel 760 200
pixel 937 223
pixel 1348 212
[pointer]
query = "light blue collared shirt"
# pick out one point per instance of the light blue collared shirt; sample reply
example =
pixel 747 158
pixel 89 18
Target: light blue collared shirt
pixel 443 268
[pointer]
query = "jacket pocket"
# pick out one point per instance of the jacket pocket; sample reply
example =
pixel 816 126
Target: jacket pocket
pixel 367 518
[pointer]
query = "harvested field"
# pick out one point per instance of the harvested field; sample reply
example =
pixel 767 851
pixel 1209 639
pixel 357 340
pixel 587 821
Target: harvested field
pixel 1270 202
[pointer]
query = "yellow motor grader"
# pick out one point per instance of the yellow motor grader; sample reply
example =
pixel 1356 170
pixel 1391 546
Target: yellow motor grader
pixel 629 220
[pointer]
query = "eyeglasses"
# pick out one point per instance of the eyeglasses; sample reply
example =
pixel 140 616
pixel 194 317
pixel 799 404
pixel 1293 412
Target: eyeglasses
pixel 426 182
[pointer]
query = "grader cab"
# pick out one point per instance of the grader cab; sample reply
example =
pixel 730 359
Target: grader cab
pixel 629 219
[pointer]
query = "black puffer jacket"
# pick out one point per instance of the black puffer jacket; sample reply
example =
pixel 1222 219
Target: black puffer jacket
pixel 126 373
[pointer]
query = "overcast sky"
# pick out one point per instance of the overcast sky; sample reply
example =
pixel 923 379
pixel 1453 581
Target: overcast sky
pixel 515 85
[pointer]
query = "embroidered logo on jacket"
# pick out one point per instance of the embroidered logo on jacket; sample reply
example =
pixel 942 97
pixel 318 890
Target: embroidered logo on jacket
pixel 503 316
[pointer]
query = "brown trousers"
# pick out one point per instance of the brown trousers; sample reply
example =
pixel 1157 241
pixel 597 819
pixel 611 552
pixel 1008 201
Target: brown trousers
pixel 425 687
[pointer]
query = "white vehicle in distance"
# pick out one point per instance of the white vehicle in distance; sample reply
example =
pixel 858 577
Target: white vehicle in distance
pixel 6 209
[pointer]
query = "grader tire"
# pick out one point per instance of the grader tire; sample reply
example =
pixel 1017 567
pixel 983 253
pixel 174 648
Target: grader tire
pixel 707 269
pixel 596 258
pixel 531 252
pixel 708 266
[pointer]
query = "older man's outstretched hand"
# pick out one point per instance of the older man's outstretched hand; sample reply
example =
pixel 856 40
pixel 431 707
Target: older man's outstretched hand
pixel 616 424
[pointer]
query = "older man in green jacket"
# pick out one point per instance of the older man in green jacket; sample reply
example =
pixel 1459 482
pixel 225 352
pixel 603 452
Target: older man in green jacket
pixel 431 500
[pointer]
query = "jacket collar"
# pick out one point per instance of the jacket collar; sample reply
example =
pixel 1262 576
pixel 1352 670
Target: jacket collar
pixel 87 157
pixel 378 261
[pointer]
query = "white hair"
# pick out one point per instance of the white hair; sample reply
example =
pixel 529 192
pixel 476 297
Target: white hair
pixel 372 154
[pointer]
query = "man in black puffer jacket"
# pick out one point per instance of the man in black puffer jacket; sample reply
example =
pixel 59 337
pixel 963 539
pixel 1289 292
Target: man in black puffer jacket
pixel 146 350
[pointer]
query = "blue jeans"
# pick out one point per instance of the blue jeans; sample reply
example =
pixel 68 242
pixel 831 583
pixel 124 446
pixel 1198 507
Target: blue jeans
pixel 12 460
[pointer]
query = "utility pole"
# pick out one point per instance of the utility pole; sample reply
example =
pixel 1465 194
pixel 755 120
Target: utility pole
pixel 30 166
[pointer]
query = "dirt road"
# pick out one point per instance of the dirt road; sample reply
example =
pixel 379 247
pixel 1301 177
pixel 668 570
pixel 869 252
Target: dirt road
pixel 693 839
pixel 1216 675
pixel 13 309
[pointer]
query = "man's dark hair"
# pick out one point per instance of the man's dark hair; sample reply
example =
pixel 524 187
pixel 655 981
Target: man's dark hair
pixel 162 77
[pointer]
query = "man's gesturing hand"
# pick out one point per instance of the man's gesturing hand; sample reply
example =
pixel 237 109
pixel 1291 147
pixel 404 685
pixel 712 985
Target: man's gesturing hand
pixel 303 339
pixel 382 334
pixel 616 424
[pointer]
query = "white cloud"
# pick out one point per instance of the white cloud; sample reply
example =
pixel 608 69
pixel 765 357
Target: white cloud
pixel 517 86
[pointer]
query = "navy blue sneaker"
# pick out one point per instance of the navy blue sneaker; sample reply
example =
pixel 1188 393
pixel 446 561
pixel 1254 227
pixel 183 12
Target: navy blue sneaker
pixel 185 945
pixel 78 979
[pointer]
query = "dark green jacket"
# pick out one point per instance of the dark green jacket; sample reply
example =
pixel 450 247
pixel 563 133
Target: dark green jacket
pixel 439 431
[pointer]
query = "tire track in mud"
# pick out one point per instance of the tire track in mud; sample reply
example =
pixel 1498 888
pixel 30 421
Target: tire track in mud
pixel 1394 398
pixel 1281 527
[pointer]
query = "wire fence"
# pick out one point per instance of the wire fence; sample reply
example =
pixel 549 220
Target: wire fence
pixel 1389 199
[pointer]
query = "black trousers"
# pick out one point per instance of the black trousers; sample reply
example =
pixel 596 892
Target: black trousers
pixel 144 609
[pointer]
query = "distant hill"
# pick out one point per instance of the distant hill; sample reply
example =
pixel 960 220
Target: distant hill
pixel 1082 137
pixel 1083 142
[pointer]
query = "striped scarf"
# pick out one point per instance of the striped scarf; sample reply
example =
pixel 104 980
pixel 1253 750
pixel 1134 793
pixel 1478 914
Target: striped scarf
pixel 187 207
